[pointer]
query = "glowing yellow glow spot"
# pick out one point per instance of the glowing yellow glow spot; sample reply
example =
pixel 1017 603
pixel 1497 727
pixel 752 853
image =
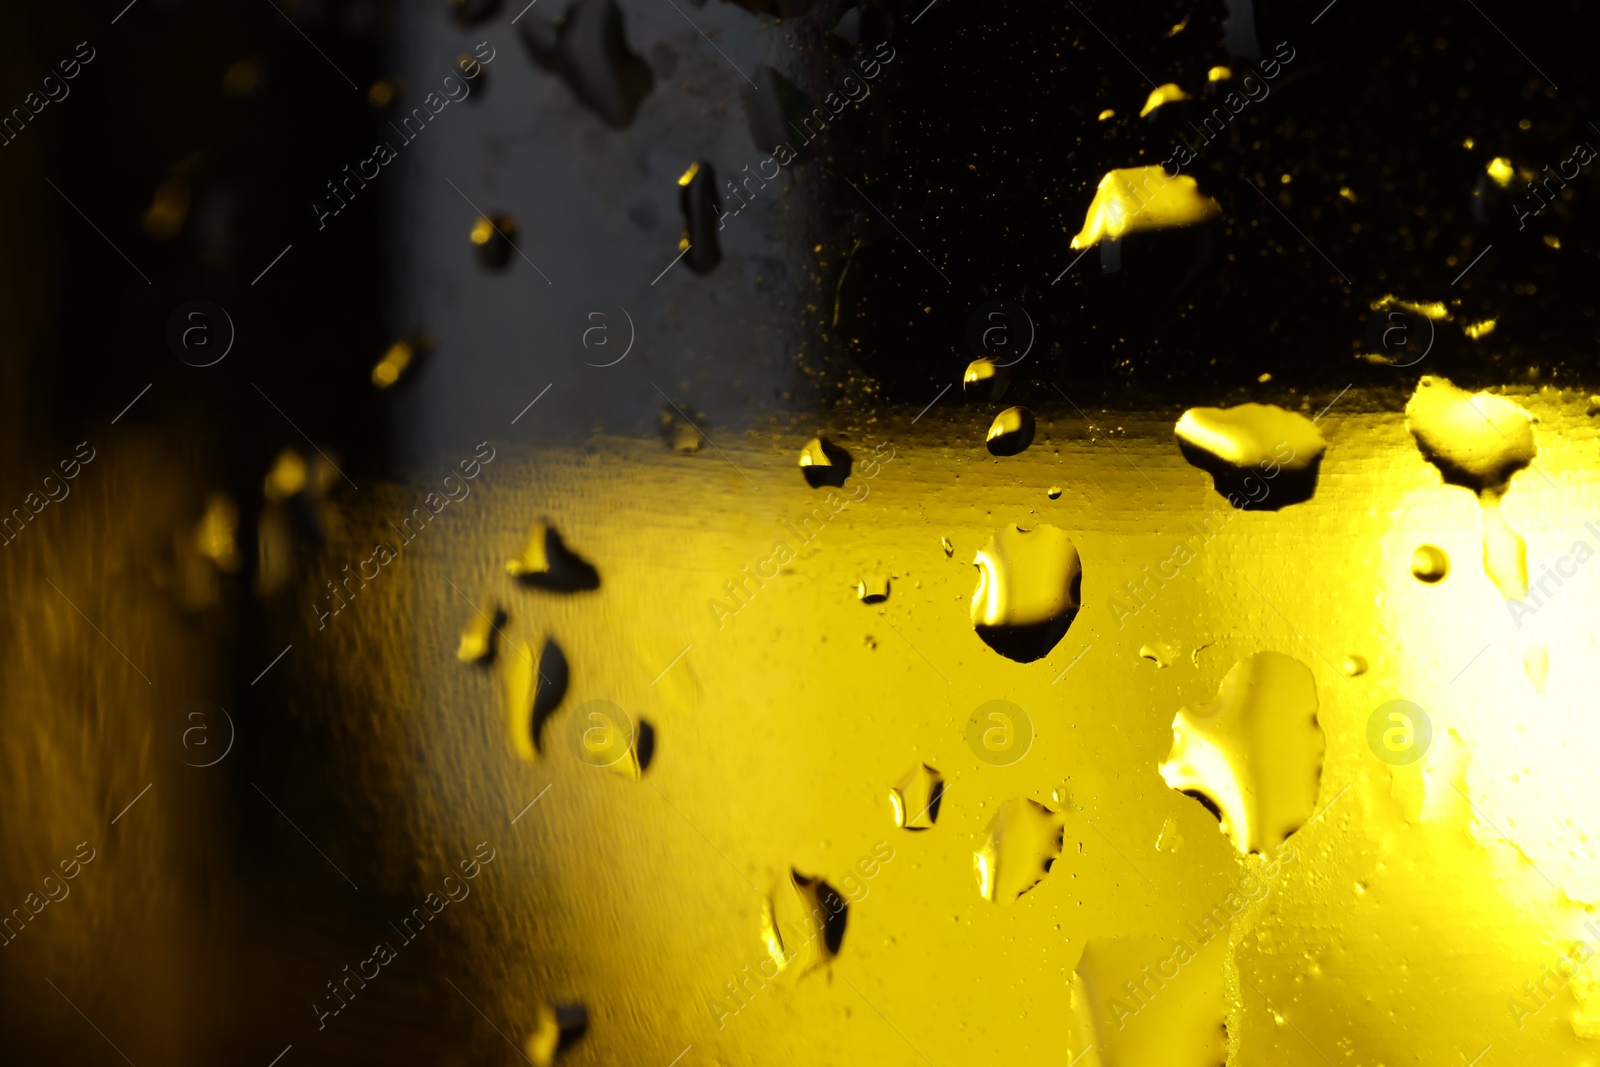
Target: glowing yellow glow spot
pixel 1468 143
pixel 683 243
pixel 1106 114
pixel 1552 241
pixel 1477 330
pixel 1500 170
pixel 1348 193
pixel 1143 198
pixel 214 536
pixel 287 476
pixel 382 92
pixel 482 230
pixel 392 365
pixel 1217 74
pixel 1165 94
pixel 1179 27
pixel 688 176
pixel 1434 309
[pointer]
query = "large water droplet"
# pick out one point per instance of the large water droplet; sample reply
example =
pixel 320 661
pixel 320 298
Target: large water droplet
pixel 701 207
pixel 803 922
pixel 1011 432
pixel 1143 198
pixel 1429 564
pixel 588 47
pixel 917 797
pixel 1478 441
pixel 1022 843
pixel 534 685
pixel 873 589
pixel 1151 1000
pixel 1254 753
pixel 545 562
pixel 1028 590
pixel 1260 456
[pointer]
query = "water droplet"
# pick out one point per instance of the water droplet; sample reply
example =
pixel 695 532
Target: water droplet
pixel 917 797
pixel 1169 840
pixel 949 549
pixel 702 208
pixel 874 590
pixel 494 238
pixel 1143 198
pixel 555 1029
pixel 680 433
pixel 477 643
pixel 1011 432
pixel 1163 94
pixel 1176 1014
pixel 824 463
pixel 1478 441
pixel 1429 563
pixel 1260 456
pixel 1028 590
pixel 1254 753
pixel 986 379
pixel 1022 842
pixel 547 563
pixel 1355 666
pixel 1536 662
pixel 1159 654
pixel 401 359
pixel 1054 492
pixel 534 687
pixel 588 48
pixel 803 922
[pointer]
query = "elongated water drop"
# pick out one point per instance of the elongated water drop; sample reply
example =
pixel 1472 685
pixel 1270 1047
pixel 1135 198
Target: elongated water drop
pixel 1254 753
pixel 1028 590
pixel 916 798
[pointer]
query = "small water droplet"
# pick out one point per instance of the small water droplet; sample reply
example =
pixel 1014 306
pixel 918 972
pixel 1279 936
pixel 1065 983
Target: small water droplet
pixel 949 549
pixel 986 379
pixel 1054 492
pixel 824 463
pixel 917 797
pixel 477 643
pixel 1169 840
pixel 588 47
pixel 1011 432
pixel 556 1027
pixel 494 238
pixel 1354 666
pixel 1159 654
pixel 1028 590
pixel 1536 662
pixel 1022 843
pixel 680 433
pixel 874 590
pixel 1253 754
pixel 1429 564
